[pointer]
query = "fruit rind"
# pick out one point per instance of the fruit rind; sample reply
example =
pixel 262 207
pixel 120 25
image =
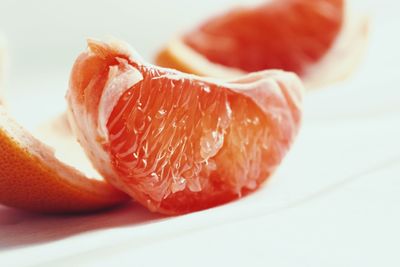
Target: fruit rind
pixel 31 178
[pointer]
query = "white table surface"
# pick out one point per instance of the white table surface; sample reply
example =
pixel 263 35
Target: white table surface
pixel 335 201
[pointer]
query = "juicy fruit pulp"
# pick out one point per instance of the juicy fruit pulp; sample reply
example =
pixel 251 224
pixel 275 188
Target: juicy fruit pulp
pixel 280 34
pixel 176 142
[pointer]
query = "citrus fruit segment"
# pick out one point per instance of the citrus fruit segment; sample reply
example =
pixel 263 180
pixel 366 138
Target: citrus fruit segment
pixel 292 35
pixel 176 142
pixel 33 179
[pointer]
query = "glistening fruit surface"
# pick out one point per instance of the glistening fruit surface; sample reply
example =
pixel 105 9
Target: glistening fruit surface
pixel 175 142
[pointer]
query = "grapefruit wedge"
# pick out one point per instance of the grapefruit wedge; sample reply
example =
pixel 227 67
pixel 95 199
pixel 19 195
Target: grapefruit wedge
pixel 33 179
pixel 176 142
pixel 317 39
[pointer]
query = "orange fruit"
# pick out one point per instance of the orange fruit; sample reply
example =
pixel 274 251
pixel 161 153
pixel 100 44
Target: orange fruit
pixel 33 179
pixel 176 142
pixel 312 38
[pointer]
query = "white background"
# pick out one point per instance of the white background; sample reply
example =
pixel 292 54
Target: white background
pixel 334 202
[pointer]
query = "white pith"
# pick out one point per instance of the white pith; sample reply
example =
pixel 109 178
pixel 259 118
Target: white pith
pixel 120 79
pixel 343 56
pixel 247 83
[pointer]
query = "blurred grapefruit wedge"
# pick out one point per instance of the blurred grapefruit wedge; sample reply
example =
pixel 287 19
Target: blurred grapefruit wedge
pixel 176 142
pixel 317 39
